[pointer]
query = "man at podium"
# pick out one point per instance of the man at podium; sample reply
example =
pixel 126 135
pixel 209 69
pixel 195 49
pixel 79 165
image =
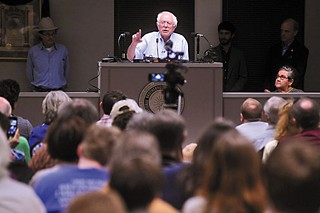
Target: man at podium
pixel 156 45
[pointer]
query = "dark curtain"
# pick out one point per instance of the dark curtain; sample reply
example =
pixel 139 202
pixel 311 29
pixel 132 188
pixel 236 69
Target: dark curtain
pixel 257 25
pixel 45 8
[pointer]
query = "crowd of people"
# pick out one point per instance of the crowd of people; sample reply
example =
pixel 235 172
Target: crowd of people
pixel 131 160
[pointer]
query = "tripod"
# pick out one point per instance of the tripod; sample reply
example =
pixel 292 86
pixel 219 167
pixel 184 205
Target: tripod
pixel 172 98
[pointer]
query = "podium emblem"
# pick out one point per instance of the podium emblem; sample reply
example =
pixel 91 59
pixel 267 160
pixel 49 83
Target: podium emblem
pixel 151 97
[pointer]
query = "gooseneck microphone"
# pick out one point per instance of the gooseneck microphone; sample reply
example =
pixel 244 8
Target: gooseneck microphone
pixel 198 35
pixel 125 34
pixel 121 45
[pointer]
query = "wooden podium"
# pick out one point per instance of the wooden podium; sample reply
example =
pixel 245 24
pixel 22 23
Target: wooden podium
pixel 202 94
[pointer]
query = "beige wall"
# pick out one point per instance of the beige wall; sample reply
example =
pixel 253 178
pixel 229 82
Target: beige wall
pixel 312 41
pixel 87 31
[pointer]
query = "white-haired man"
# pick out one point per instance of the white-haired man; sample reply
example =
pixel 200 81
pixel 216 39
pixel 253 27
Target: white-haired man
pixel 154 44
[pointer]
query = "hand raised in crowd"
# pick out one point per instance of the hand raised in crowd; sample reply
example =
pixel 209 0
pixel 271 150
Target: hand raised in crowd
pixel 14 141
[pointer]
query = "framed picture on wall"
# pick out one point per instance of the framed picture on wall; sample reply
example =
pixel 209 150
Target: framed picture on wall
pixel 16 29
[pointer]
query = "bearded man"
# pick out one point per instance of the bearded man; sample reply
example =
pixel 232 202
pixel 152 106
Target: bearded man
pixel 234 63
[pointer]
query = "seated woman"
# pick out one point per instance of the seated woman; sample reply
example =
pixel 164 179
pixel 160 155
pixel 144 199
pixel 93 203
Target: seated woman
pixel 284 80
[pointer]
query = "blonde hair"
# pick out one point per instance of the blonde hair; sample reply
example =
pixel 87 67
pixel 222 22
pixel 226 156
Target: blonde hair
pixel 285 126
pixel 51 104
pixel 53 100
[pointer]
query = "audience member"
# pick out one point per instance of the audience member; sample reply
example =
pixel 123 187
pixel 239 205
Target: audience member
pixel 95 151
pixel 137 144
pixel 285 127
pixel 287 52
pixel 97 202
pixel 271 112
pixel 155 44
pixel 10 90
pixel 292 177
pixel 81 108
pixel 109 99
pixel 140 121
pixel 18 167
pixel 234 63
pixel 194 172
pixel 232 181
pixel 67 180
pixel 50 105
pixel 15 196
pixel 284 80
pixel 306 116
pixel 123 106
pixel 19 144
pixel 48 62
pixel 170 130
pixel 122 111
pixel 252 124
pixel 122 120
pixel 144 184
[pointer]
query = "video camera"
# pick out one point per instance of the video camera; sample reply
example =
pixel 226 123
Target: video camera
pixel 173 77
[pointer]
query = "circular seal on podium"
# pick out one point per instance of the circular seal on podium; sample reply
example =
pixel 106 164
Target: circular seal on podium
pixel 151 97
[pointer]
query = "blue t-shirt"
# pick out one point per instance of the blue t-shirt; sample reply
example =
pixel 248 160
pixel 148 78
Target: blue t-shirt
pixel 37 135
pixel 172 191
pixel 57 189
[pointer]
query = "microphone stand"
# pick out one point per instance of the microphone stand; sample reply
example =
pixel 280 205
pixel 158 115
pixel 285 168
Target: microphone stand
pixel 198 48
pixel 197 52
pixel 121 46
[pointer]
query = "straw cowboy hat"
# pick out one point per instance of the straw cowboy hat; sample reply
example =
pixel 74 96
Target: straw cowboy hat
pixel 46 24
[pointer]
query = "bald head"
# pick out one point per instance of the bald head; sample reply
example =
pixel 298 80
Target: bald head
pixel 5 107
pixel 251 110
pixel 306 113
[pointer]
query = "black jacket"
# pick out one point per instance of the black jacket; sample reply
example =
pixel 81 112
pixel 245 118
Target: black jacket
pixel 295 56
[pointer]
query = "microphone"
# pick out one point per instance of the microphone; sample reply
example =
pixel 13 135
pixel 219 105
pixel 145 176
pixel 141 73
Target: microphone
pixel 168 46
pixel 124 34
pixel 197 35
pixel 121 44
pixel 157 41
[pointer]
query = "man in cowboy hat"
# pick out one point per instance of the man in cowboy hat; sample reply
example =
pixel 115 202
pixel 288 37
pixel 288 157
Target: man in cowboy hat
pixel 48 61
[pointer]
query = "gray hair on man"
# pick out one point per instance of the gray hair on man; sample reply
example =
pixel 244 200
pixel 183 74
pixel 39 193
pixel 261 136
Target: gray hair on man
pixel 271 108
pixel 175 20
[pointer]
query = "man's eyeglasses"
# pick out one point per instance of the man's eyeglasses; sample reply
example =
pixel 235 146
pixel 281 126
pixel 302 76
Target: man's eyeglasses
pixel 169 24
pixel 282 77
pixel 48 34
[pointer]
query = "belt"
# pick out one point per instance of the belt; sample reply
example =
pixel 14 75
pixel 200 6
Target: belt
pixel 45 89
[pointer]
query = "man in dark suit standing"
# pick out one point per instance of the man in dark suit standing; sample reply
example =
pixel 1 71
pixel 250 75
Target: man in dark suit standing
pixel 234 63
pixel 288 52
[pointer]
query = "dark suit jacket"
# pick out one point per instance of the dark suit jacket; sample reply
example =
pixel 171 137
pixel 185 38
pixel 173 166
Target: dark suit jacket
pixel 237 73
pixel 295 56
